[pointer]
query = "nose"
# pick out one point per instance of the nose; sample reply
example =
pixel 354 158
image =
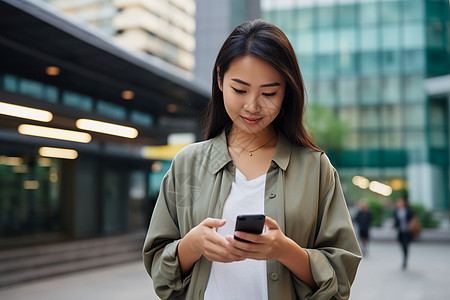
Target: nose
pixel 252 104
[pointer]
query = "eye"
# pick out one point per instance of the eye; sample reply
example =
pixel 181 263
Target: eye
pixel 269 94
pixel 239 91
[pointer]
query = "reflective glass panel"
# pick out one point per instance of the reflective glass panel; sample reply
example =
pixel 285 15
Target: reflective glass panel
pixel 370 88
pixel 368 13
pixel 348 91
pixel 413 36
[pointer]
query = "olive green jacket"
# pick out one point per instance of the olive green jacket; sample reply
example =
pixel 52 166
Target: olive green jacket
pixel 303 194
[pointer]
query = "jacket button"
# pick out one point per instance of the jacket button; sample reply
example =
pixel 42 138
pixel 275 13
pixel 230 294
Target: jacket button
pixel 274 276
pixel 272 195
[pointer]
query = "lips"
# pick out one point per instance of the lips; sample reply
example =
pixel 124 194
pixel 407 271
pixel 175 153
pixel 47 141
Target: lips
pixel 251 121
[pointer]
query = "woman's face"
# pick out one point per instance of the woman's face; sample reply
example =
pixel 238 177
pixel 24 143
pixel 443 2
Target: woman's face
pixel 253 92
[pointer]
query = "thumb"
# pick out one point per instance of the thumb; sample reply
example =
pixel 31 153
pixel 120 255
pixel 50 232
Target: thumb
pixel 214 223
pixel 271 223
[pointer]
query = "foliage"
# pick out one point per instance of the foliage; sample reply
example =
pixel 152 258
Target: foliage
pixel 377 210
pixel 327 129
pixel 425 217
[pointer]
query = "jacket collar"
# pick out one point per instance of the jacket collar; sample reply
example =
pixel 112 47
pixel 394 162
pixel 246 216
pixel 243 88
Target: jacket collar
pixel 219 156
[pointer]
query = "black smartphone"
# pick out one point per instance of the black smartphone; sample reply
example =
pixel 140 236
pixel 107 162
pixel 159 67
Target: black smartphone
pixel 250 224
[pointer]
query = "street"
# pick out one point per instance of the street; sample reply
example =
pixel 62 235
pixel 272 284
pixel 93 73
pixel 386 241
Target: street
pixel 379 277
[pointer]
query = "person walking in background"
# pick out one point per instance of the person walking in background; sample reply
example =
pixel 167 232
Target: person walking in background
pixel 257 158
pixel 402 217
pixel 364 221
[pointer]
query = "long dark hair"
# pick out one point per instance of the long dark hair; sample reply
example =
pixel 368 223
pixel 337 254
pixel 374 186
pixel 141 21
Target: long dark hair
pixel 268 42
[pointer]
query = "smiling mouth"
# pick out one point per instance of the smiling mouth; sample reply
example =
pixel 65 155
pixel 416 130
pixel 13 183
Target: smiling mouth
pixel 251 121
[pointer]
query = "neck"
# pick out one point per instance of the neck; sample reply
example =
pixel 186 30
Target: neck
pixel 250 141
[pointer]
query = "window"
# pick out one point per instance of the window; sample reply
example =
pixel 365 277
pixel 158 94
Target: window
pixel 414 116
pixel 111 110
pixel 391 89
pixel 31 88
pixel 413 36
pixel 368 13
pixel 390 11
pixel 347 15
pixel 370 88
pixel 369 38
pixel 304 42
pixel 327 65
pixel 369 118
pixel 76 100
pixel 414 61
pixel 390 62
pixel 327 41
pixel 391 117
pixel 370 140
pixel 305 18
pixel 413 89
pixel 413 10
pixel 347 40
pixel 141 118
pixel 369 63
pixel 326 92
pixel 350 116
pixel 436 34
pixel 348 63
pixel 390 37
pixel 392 139
pixel 307 65
pixel 10 83
pixel 348 92
pixel 326 16
pixel 415 139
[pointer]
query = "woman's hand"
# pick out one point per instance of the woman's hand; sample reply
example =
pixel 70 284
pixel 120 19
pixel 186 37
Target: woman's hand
pixel 266 246
pixel 274 245
pixel 204 240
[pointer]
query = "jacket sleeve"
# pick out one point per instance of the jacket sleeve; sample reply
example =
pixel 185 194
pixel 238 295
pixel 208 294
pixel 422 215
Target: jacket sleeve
pixel 336 254
pixel 161 243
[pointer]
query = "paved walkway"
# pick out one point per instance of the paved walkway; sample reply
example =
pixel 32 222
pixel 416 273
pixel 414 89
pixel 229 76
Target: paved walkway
pixel 379 275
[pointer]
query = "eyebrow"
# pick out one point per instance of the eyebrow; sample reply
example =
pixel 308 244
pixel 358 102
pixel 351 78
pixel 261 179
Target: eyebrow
pixel 248 84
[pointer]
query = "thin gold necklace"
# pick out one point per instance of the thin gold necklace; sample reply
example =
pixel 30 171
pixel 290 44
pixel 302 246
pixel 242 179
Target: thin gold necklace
pixel 250 152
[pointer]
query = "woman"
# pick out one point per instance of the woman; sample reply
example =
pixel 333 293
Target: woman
pixel 258 158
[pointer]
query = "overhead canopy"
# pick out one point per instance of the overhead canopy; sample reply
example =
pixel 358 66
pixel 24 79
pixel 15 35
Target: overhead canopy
pixel 33 36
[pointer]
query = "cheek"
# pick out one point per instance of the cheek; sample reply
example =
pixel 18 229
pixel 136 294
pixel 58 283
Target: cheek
pixel 273 107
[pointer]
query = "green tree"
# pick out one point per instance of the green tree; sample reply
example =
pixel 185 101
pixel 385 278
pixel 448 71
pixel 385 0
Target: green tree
pixel 326 128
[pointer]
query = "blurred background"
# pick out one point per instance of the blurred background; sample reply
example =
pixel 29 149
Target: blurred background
pixel 97 96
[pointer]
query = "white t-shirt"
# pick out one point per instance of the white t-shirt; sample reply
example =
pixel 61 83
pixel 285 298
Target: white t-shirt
pixel 244 279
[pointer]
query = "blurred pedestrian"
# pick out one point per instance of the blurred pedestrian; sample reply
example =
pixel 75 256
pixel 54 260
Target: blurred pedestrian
pixel 402 217
pixel 258 158
pixel 364 221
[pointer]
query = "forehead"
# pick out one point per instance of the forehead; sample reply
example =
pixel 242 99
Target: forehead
pixel 253 70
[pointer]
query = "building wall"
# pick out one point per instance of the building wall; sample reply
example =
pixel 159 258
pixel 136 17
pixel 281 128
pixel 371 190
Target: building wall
pixel 163 28
pixel 368 60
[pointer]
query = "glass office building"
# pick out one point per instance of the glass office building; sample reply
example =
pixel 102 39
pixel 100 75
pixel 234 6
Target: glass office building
pixel 368 60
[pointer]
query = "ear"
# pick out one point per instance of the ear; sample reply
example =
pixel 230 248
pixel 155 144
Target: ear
pixel 219 80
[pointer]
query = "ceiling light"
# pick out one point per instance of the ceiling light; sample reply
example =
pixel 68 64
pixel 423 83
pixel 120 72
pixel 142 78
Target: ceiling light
pixel 58 152
pixel 52 71
pixel 31 184
pixel 172 108
pixel 107 128
pixel 127 94
pixel 25 112
pixel 54 133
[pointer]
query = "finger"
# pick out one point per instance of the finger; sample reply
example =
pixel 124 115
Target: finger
pixel 271 223
pixel 214 223
pixel 251 238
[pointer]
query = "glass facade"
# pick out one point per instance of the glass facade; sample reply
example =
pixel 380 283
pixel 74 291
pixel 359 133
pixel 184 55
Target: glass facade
pixel 368 60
